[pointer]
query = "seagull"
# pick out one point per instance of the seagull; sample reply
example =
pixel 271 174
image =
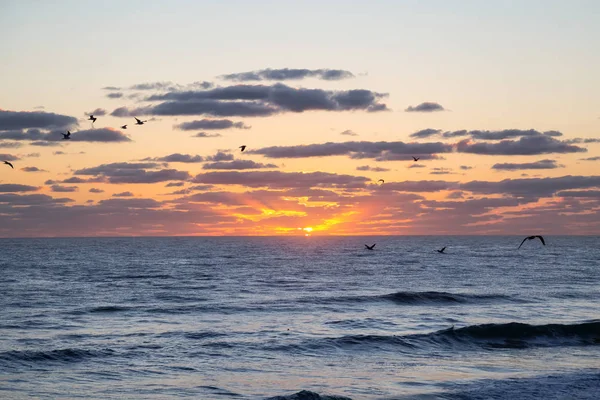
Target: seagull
pixel 124 127
pixel 416 158
pixel 138 121
pixel 92 118
pixel 531 238
pixel 7 163
pixel 243 147
pixel 66 135
pixel 370 247
pixel 442 250
pixel 381 180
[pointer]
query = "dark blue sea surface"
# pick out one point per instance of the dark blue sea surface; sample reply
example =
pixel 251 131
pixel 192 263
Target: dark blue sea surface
pixel 300 318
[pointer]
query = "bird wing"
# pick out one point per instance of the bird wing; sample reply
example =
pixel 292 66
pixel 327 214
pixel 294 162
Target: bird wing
pixel 7 163
pixel 522 243
pixel 542 239
pixel 367 246
pixel 381 180
pixel 137 119
pixel 443 248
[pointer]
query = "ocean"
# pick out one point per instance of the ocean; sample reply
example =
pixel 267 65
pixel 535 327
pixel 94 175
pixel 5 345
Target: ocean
pixel 300 318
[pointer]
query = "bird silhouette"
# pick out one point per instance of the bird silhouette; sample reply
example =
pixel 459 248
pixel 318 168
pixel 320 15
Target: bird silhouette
pixel 92 118
pixel 442 250
pixel 370 247
pixel 416 158
pixel 139 121
pixel 124 127
pixel 531 238
pixel 7 163
pixel 66 135
pixel 381 180
pixel 243 147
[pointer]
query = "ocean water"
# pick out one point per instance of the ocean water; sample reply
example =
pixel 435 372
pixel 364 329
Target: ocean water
pixel 300 318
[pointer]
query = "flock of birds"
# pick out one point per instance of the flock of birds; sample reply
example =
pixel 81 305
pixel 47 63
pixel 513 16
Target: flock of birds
pixel 67 136
pixel 441 251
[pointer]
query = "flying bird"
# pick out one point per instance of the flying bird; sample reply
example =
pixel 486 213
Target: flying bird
pixel 381 180
pixel 92 118
pixel 442 250
pixel 7 163
pixel 531 238
pixel 66 135
pixel 416 158
pixel 370 247
pixel 139 121
pixel 124 127
pixel 243 147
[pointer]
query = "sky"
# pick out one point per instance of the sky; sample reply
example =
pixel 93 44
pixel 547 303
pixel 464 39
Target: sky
pixel 334 100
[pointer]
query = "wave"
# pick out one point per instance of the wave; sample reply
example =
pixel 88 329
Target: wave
pixel 509 335
pixel 67 355
pixel 308 395
pixel 416 298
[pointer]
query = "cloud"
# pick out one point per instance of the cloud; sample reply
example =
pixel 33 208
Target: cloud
pixel 425 133
pixel 541 164
pixel 384 151
pixel 59 153
pixel 465 167
pixel 425 107
pixel 178 157
pixel 134 173
pixel 35 155
pixel 591 159
pixel 348 132
pixel 96 190
pixel 580 193
pixel 33 169
pixel 256 100
pixel 500 135
pixel 278 179
pixel 441 171
pixel 10 145
pixel 174 184
pixel 374 169
pixel 64 189
pixel 284 74
pixel 16 120
pixel 211 124
pixel 206 135
pixel 46 144
pixel 98 112
pixel 116 95
pixel 528 145
pixel 220 156
pixel 14 187
pixel 8 157
pixel 105 135
pixel 154 86
pixel 416 166
pixel 123 194
pixel 111 88
pixel 583 140
pixel 532 187
pixel 237 164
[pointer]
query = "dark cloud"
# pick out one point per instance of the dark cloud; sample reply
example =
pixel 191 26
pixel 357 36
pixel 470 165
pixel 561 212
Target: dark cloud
pixel 174 184
pixel 8 157
pixel 134 173
pixel 465 167
pixel 532 187
pixel 116 95
pixel 211 124
pixel 425 107
pixel 278 179
pixel 529 145
pixel 455 195
pixel 178 157
pixel 111 88
pixel 97 112
pixel 374 169
pixel 500 135
pixel 220 156
pixel 418 186
pixel 348 132
pixel 580 193
pixel 59 153
pixel 541 164
pixel 76 179
pixel 33 169
pixel 384 151
pixel 425 133
pixel 154 86
pixel 31 199
pixel 583 140
pixel 206 135
pixel 257 100
pixel 591 159
pixel 123 194
pixel 16 120
pixel 14 187
pixel 64 189
pixel 96 190
pixel 35 155
pixel 284 74
pixel 416 166
pixel 237 164
pixel 90 135
pixel 441 171
pixel 10 145
pixel 100 135
pixel 46 144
